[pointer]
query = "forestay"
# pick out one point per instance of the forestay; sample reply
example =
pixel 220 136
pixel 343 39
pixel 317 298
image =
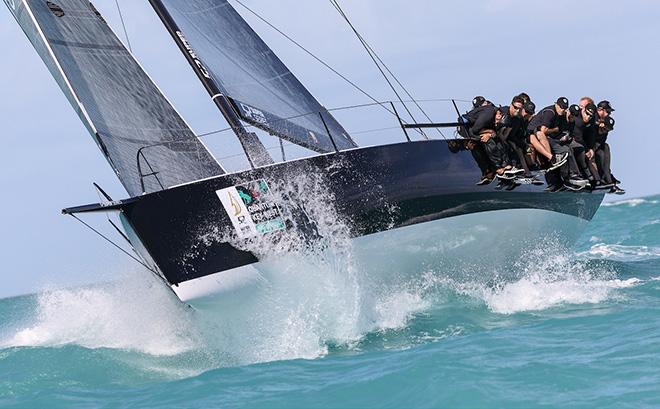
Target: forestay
pixel 243 68
pixel 116 100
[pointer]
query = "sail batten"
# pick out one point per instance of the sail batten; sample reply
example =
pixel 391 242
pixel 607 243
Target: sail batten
pixel 119 104
pixel 235 64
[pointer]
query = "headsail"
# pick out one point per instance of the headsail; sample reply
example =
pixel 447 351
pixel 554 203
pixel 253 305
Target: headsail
pixel 235 61
pixel 147 143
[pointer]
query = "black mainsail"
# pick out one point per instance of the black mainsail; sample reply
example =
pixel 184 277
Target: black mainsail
pixel 144 139
pixel 244 76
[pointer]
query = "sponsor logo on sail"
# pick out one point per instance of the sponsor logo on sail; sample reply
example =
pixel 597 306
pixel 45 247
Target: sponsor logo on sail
pixel 254 114
pixel 11 4
pixel 193 55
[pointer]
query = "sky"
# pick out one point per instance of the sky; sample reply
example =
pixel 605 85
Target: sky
pixel 438 49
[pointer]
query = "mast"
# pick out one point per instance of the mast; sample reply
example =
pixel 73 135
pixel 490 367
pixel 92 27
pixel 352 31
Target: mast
pixel 254 150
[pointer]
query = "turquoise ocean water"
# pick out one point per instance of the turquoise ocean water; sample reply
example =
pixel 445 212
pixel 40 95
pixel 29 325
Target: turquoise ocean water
pixel 578 329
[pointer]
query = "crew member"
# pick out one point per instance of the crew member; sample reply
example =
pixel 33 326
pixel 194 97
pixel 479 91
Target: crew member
pixel 476 148
pixel 582 130
pixel 544 131
pixel 510 124
pixel 602 148
pixel 484 122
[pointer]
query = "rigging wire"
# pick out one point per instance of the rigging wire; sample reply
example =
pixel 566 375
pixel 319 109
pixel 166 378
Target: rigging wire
pixel 376 59
pixel 322 62
pixel 121 17
pixel 412 99
pixel 114 244
pixel 371 55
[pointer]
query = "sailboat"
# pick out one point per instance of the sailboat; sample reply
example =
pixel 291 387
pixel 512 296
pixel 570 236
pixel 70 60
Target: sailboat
pixel 202 229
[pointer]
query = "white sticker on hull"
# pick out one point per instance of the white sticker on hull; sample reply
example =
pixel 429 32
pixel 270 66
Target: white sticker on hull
pixel 251 208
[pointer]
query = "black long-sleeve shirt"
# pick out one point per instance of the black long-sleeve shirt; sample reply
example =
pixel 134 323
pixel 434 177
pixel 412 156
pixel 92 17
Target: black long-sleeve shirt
pixel 482 118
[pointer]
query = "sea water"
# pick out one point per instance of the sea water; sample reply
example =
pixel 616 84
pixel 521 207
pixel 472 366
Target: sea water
pixel 578 329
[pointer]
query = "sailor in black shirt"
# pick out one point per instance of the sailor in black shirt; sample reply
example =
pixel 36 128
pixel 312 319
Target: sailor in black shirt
pixel 477 149
pixel 544 124
pixel 510 131
pixel 545 136
pixel 582 130
pixel 601 148
pixel 485 121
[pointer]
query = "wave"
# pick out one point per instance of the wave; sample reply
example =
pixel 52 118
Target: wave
pixel 617 252
pixel 631 202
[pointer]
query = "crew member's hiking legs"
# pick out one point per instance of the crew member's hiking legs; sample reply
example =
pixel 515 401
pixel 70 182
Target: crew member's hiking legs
pixel 559 149
pixel 540 143
pixel 481 157
pixel 496 154
pixel 603 159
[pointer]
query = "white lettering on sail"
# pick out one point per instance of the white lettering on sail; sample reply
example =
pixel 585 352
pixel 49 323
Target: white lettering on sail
pixel 11 4
pixel 254 114
pixel 192 54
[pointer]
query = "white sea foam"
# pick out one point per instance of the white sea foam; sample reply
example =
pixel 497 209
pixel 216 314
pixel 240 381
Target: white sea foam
pixel 631 202
pixel 619 252
pixel 539 293
pixel 136 313
pixel 547 279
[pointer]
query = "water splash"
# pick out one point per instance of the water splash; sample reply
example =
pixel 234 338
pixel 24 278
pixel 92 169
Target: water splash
pixel 550 278
pixel 136 313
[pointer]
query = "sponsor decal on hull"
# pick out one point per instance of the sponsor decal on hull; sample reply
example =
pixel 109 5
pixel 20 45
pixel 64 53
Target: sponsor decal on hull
pixel 251 208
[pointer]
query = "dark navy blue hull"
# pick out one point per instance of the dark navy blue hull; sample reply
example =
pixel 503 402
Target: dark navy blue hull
pixel 371 190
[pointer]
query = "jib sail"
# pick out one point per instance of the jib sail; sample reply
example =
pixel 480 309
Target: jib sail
pixel 145 140
pixel 232 60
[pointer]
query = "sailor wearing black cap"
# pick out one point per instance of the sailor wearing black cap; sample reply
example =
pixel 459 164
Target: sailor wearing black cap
pixel 583 129
pixel 483 125
pixel 477 149
pixel 544 130
pixel 478 101
pixel 511 130
pixel 508 121
pixel 605 107
pixel 525 97
pixel 602 148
